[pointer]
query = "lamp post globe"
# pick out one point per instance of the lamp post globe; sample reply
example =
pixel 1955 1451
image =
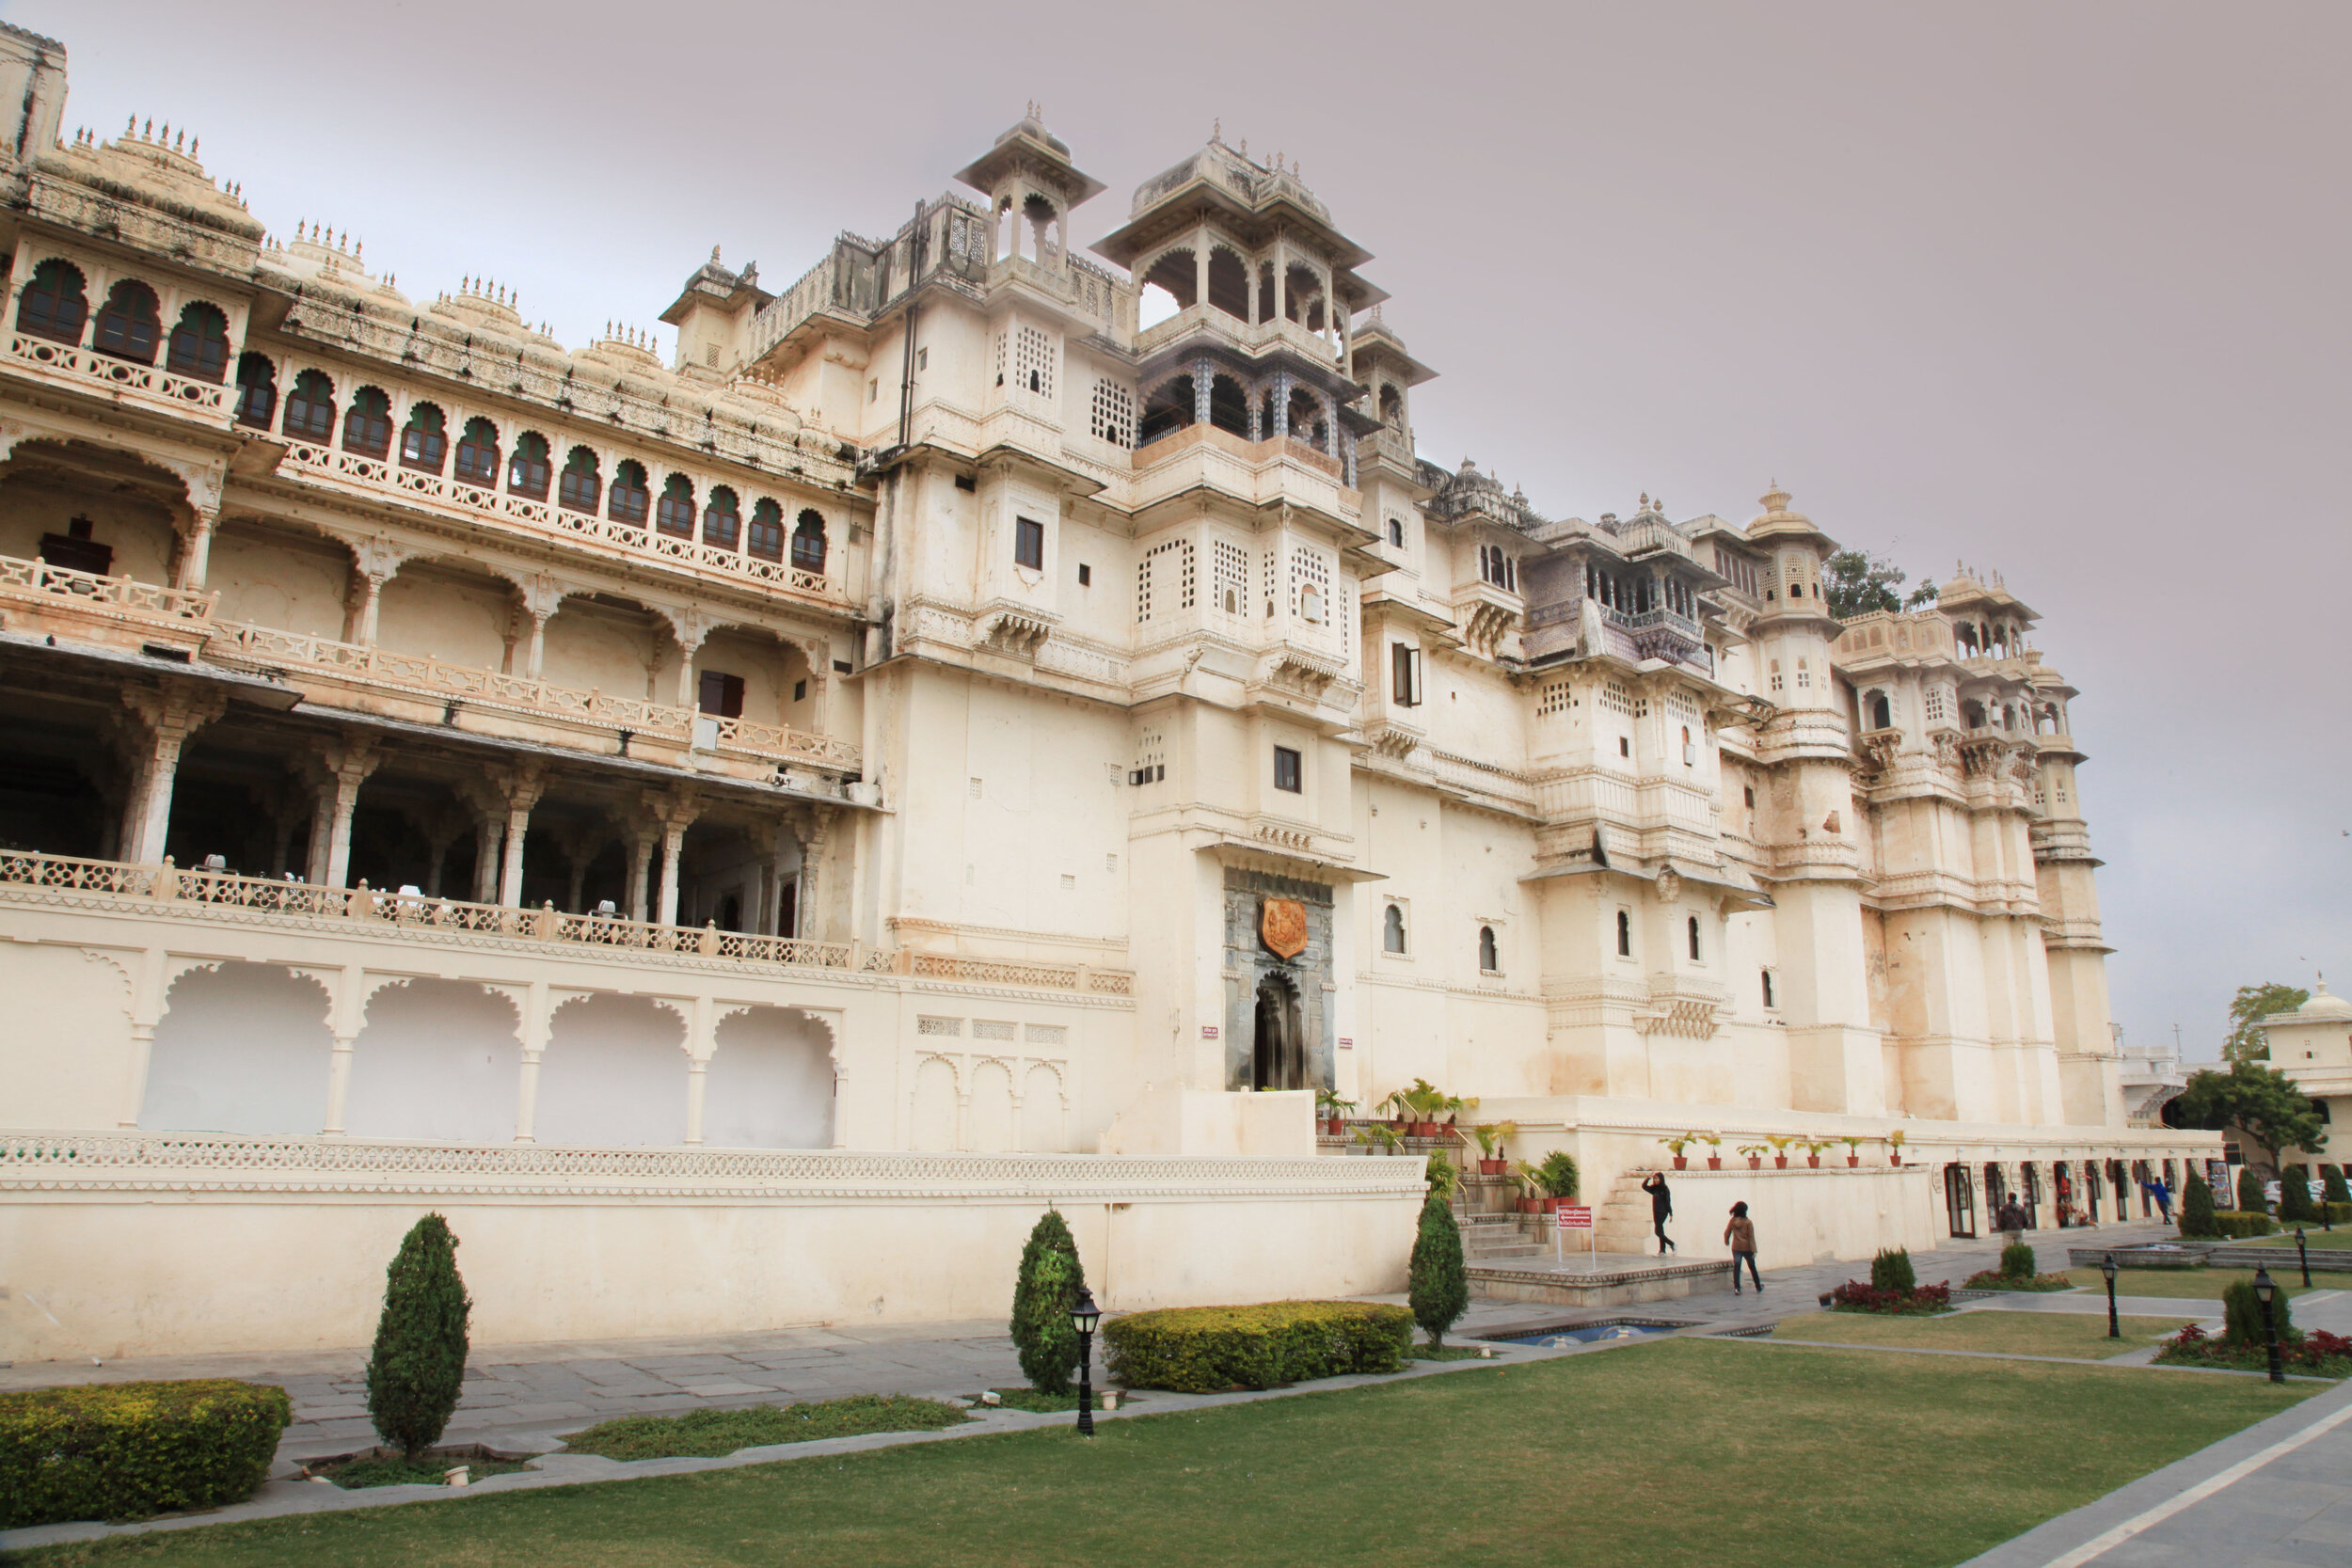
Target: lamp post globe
pixel 1084 1316
pixel 2265 1291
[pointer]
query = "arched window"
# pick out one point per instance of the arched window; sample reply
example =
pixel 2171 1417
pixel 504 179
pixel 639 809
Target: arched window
pixel 478 453
pixel 1695 938
pixel 54 305
pixel 368 422
pixel 257 391
pixel 1229 405
pixel 1881 712
pixel 675 512
pixel 1396 532
pixel 1490 959
pixel 765 537
pixel 424 439
pixel 1624 934
pixel 626 501
pixel 128 324
pixel 1228 283
pixel 310 407
pixel 577 488
pixel 1167 410
pixel 808 541
pixel 723 519
pixel 199 344
pixel 527 469
pixel 1392 930
pixel 1391 406
pixel 1767 990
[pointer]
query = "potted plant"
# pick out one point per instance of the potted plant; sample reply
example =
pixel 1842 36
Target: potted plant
pixel 1560 1179
pixel 1529 1186
pixel 1813 1148
pixel 1854 1143
pixel 1380 1132
pixel 1679 1142
pixel 1492 1136
pixel 1714 1141
pixel 1333 1112
pixel 1895 1147
pixel 1755 1152
pixel 1780 1142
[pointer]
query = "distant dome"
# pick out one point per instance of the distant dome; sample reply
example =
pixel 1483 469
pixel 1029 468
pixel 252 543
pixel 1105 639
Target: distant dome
pixel 1035 128
pixel 2323 1006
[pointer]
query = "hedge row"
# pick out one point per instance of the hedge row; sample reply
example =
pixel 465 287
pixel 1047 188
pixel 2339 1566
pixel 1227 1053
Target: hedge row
pixel 2235 1225
pixel 125 1451
pixel 1208 1349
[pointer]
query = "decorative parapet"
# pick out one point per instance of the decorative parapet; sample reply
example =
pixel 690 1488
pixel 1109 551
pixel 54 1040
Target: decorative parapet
pixel 118 598
pixel 87 370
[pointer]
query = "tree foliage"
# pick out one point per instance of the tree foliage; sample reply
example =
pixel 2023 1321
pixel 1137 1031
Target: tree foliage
pixel 1047 1286
pixel 2260 1100
pixel 2245 1042
pixel 1855 583
pixel 2242 1317
pixel 418 1368
pixel 1891 1270
pixel 2295 1196
pixel 1436 1282
pixel 2197 1207
pixel 2249 1192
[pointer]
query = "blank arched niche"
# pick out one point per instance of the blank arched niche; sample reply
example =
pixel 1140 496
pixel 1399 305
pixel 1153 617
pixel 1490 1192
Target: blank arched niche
pixel 935 1117
pixel 988 1117
pixel 438 1060
pixel 769 1082
pixel 241 1047
pixel 614 1076
pixel 1044 1110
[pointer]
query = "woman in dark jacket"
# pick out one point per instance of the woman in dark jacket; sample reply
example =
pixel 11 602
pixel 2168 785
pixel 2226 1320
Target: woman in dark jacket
pixel 1662 1209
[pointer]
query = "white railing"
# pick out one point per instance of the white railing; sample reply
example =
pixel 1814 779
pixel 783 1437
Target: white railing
pixel 474 501
pixel 102 372
pixel 240 643
pixel 120 593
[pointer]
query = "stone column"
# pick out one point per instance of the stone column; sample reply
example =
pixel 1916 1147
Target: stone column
pixel 673 811
pixel 814 835
pixel 359 618
pixel 642 839
pixel 196 552
pixel 486 834
pixel 520 788
pixel 1281 403
pixel 169 714
pixel 348 1009
pixel 692 632
pixel 700 1040
pixel 538 1021
pixel 341 766
pixel 1203 375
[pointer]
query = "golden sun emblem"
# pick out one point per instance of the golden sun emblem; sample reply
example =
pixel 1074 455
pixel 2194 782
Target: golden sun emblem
pixel 1283 926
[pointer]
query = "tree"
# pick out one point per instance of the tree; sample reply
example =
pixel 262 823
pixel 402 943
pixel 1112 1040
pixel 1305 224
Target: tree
pixel 1437 1283
pixel 2295 1196
pixel 1854 584
pixel 2260 1100
pixel 2242 1317
pixel 2245 1042
pixel 1047 1286
pixel 2197 1207
pixel 2249 1192
pixel 418 1368
pixel 2334 1191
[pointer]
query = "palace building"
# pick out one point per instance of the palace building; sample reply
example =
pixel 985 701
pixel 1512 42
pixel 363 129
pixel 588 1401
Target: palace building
pixel 974 727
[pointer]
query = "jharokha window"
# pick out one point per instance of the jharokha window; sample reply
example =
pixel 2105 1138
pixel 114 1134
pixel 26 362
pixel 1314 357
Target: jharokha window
pixel 628 495
pixel 311 406
pixel 766 538
pixel 199 344
pixel 128 326
pixel 257 391
pixel 54 305
pixel 478 453
pixel 580 484
pixel 424 440
pixel 527 470
pixel 723 519
pixel 368 424
pixel 808 542
pixel 675 512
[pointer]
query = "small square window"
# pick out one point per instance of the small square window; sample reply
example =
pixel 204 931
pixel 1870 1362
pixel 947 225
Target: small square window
pixel 1085 575
pixel 1028 544
pixel 1750 793
pixel 800 691
pixel 1288 770
pixel 1625 747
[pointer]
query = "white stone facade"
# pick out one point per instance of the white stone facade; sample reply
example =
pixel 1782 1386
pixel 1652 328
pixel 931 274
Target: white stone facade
pixel 447 768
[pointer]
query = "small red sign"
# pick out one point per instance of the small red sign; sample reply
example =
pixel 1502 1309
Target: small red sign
pixel 1575 1219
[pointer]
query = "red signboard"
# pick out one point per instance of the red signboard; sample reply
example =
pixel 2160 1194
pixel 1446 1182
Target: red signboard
pixel 1573 1218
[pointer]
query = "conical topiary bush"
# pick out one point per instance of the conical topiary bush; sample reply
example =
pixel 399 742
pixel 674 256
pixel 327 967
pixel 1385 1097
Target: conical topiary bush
pixel 2197 1207
pixel 1050 1279
pixel 419 1366
pixel 1436 1282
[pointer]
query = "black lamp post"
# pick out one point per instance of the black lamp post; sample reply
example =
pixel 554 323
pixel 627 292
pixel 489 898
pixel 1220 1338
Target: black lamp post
pixel 1084 1315
pixel 2265 1291
pixel 2106 1266
pixel 2303 1257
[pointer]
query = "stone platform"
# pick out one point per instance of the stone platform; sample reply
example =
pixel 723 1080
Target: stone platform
pixel 1608 1279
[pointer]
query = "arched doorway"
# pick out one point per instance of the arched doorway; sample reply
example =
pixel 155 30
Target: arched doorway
pixel 1277 1058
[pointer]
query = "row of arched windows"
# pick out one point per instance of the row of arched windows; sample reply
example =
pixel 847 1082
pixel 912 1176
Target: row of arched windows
pixel 528 468
pixel 55 306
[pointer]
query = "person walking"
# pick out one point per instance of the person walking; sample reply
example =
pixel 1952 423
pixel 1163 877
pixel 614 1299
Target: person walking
pixel 2161 1191
pixel 2012 1220
pixel 1741 1233
pixel 1662 1209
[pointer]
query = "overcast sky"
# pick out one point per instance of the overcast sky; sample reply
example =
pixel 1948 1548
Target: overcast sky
pixel 2059 290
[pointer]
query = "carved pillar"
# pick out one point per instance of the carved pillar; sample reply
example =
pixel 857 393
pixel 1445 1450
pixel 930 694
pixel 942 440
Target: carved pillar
pixel 1282 382
pixel 538 1018
pixel 361 606
pixel 195 551
pixel 814 834
pixel 782 845
pixel 486 833
pixel 520 789
pixel 692 631
pixel 1203 375
pixel 642 840
pixel 341 766
pixel 700 1041
pixel 169 713
pixel 676 812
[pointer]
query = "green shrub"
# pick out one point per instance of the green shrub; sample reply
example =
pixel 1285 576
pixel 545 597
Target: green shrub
pixel 125 1451
pixel 418 1368
pixel 1558 1175
pixel 2249 1192
pixel 2017 1261
pixel 2238 1226
pixel 1436 1284
pixel 2197 1207
pixel 2242 1315
pixel 1046 1288
pixel 2332 1189
pixel 2295 1196
pixel 1208 1349
pixel 1891 1270
pixel 2335 1213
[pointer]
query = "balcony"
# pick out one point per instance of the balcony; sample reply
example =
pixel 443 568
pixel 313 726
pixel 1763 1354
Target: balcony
pixel 124 380
pixel 124 607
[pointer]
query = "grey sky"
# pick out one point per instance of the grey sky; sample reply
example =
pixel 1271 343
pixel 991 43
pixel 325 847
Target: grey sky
pixel 2058 289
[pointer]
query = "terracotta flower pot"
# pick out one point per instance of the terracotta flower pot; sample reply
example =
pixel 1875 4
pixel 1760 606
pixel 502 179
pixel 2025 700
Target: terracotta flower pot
pixel 1425 1130
pixel 1714 1161
pixel 1780 1161
pixel 1813 1160
pixel 1894 1157
pixel 1552 1205
pixel 1493 1167
pixel 1680 1161
pixel 1853 1159
pixel 1529 1206
pixel 1336 1127
pixel 1756 1162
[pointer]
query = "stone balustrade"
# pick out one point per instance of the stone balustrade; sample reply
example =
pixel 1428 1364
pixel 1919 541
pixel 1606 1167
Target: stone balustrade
pixel 86 369
pixel 113 598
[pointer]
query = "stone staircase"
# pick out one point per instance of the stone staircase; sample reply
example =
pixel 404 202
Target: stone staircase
pixel 1493 1231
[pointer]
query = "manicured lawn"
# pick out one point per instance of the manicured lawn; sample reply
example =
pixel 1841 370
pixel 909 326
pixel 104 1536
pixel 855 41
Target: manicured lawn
pixel 2313 1238
pixel 2017 1333
pixel 2207 1283
pixel 1684 1453
pixel 716 1434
